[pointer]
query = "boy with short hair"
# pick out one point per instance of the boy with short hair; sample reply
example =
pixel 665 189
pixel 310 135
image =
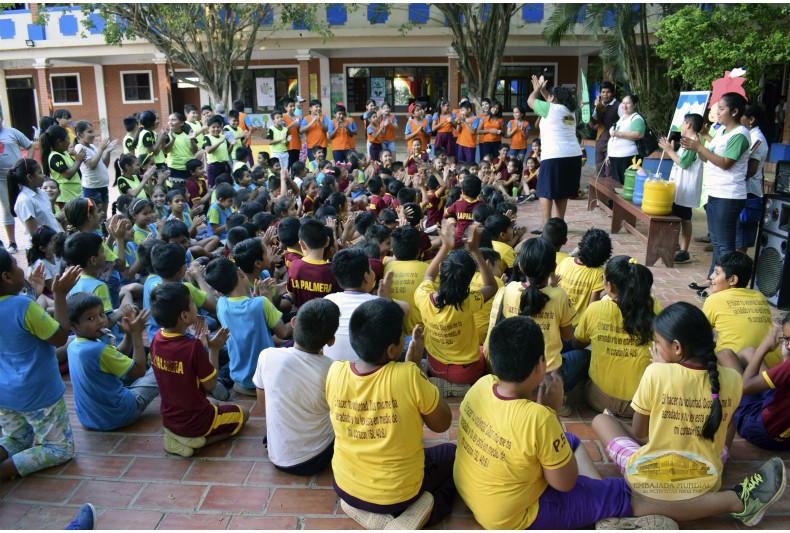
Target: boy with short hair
pixel 400 476
pixel 462 209
pixel 288 235
pixel 418 127
pixel 314 126
pixel 216 146
pixel 291 383
pixel 467 133
pixel 278 137
pixel 196 185
pixel 130 124
pixel 377 203
pixel 239 134
pixel 555 230
pixel 740 316
pixel 219 211
pixel 311 276
pixel 185 372
pixel 249 321
pixel 407 272
pixel 96 369
pixel 536 476
pixel 582 276
pixel 504 239
pixel 687 175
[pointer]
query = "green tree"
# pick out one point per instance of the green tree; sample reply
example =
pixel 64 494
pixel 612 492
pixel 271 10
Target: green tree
pixel 479 35
pixel 215 41
pixel 624 33
pixel 702 43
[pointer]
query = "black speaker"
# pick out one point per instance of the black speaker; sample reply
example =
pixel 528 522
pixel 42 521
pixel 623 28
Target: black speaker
pixel 771 270
pixel 782 179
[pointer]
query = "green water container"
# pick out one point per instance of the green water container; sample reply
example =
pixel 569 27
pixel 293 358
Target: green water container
pixel 628 186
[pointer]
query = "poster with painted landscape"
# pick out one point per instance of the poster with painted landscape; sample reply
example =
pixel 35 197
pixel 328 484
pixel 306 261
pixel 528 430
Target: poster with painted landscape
pixel 689 102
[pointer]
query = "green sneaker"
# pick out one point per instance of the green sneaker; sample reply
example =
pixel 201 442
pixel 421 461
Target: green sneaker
pixel 177 448
pixel 759 491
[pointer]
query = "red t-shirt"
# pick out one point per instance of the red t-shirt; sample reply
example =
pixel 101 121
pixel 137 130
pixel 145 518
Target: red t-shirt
pixel 292 255
pixel 411 162
pixel 377 204
pixel 776 413
pixel 461 211
pixel 378 268
pixel 502 173
pixel 307 205
pixel 180 365
pixel 426 254
pixel 196 189
pixel 308 279
pixel 433 210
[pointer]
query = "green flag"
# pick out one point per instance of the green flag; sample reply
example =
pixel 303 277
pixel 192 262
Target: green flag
pixel 585 96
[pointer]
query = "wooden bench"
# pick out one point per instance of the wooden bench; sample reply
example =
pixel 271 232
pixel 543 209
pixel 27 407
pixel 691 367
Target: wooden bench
pixel 662 231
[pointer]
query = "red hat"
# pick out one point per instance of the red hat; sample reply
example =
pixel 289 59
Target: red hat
pixel 411 108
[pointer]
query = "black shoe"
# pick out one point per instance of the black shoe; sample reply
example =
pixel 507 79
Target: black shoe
pixel 682 257
pixel 694 286
pixel 537 232
pixel 12 249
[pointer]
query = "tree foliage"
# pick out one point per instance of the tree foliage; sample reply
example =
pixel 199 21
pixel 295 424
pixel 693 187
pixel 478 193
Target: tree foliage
pixel 702 43
pixel 479 35
pixel 215 41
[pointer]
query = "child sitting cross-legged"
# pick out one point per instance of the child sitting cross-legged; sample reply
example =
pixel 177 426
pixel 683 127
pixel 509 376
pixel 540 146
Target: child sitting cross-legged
pixel 97 369
pixel 535 476
pixel 291 383
pixel 582 276
pixel 382 473
pixel 185 372
pixel 249 319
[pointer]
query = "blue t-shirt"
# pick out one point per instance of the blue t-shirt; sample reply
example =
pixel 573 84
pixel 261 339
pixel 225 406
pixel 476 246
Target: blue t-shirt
pixel 29 375
pixel 198 296
pixel 249 320
pixel 100 399
pixel 217 215
pixel 99 288
pixel 303 123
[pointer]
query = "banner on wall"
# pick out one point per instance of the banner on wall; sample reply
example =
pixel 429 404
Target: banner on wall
pixel 264 90
pixel 337 89
pixel 378 90
pixel 313 86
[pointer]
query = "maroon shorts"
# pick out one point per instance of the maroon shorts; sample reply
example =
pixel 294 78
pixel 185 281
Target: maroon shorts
pixel 227 420
pixel 446 140
pixel 468 373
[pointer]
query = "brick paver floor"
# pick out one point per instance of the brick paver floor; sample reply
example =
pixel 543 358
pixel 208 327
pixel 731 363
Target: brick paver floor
pixel 135 484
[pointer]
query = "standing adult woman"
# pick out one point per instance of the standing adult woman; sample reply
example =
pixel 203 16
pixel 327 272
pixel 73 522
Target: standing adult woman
pixel 12 142
pixel 561 164
pixel 726 161
pixel 752 118
pixel 623 136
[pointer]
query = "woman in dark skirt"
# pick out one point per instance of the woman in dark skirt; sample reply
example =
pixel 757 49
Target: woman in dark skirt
pixel 561 155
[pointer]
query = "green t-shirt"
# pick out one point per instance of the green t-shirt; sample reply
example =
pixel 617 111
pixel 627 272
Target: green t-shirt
pixel 736 146
pixel 638 124
pixel 148 140
pixel 686 158
pixel 220 155
pixel 70 188
pixel 180 152
pixel 542 108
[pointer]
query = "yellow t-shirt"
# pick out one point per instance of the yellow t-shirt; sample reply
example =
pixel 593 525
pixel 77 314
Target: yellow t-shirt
pixel 677 463
pixel 742 318
pixel 579 282
pixel 561 256
pixel 507 254
pixel 377 418
pixel 450 334
pixel 557 313
pixel 406 278
pixel 482 316
pixel 617 362
pixel 503 446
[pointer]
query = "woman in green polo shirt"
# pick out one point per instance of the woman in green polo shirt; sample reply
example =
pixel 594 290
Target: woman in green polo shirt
pixel 180 147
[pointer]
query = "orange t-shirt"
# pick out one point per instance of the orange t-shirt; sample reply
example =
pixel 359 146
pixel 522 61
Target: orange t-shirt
pixel 490 123
pixel 465 138
pixel 389 132
pixel 296 142
pixel 457 117
pixel 316 136
pixel 413 126
pixel 244 127
pixel 344 140
pixel 446 126
pixel 519 139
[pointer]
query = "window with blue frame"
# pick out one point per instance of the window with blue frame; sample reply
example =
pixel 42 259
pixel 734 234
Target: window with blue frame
pixel 515 83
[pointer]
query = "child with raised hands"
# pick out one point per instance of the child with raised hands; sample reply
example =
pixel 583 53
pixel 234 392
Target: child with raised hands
pixel 36 429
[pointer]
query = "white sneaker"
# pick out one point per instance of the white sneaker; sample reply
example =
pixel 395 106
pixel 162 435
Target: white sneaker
pixel 651 521
pixel 366 519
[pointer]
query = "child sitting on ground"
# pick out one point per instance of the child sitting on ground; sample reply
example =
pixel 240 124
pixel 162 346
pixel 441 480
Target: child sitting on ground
pixel 505 239
pixel 452 346
pixel 401 478
pixel 543 478
pixel 740 316
pixel 250 321
pixel 555 230
pixel 461 211
pixel 311 276
pixel 619 329
pixel 683 410
pixel 762 417
pixel 582 276
pixel 220 210
pixel 185 372
pixel 408 272
pixel 288 235
pixel 36 427
pixel 291 383
pixel 97 369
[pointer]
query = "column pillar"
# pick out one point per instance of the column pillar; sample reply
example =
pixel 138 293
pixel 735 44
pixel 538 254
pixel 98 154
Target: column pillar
pixel 42 66
pixel 304 57
pixel 163 87
pixel 453 83
pixel 6 111
pixel 101 101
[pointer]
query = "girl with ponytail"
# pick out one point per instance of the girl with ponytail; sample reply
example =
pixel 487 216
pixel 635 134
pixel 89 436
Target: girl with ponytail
pixel 684 406
pixel 549 306
pixel 620 329
pixel 451 339
pixel 28 202
pixel 58 163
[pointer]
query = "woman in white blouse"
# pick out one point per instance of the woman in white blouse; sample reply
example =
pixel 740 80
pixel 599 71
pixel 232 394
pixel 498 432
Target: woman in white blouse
pixel 623 136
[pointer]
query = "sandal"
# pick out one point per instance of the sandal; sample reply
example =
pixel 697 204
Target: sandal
pixel 694 286
pixel 703 293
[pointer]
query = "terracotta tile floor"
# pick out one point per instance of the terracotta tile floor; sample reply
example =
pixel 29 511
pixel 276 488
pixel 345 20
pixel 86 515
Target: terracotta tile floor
pixel 232 485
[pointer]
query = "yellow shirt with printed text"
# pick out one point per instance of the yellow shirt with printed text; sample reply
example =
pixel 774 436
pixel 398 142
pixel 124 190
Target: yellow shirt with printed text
pixel 407 276
pixel 503 446
pixel 617 362
pixel 482 316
